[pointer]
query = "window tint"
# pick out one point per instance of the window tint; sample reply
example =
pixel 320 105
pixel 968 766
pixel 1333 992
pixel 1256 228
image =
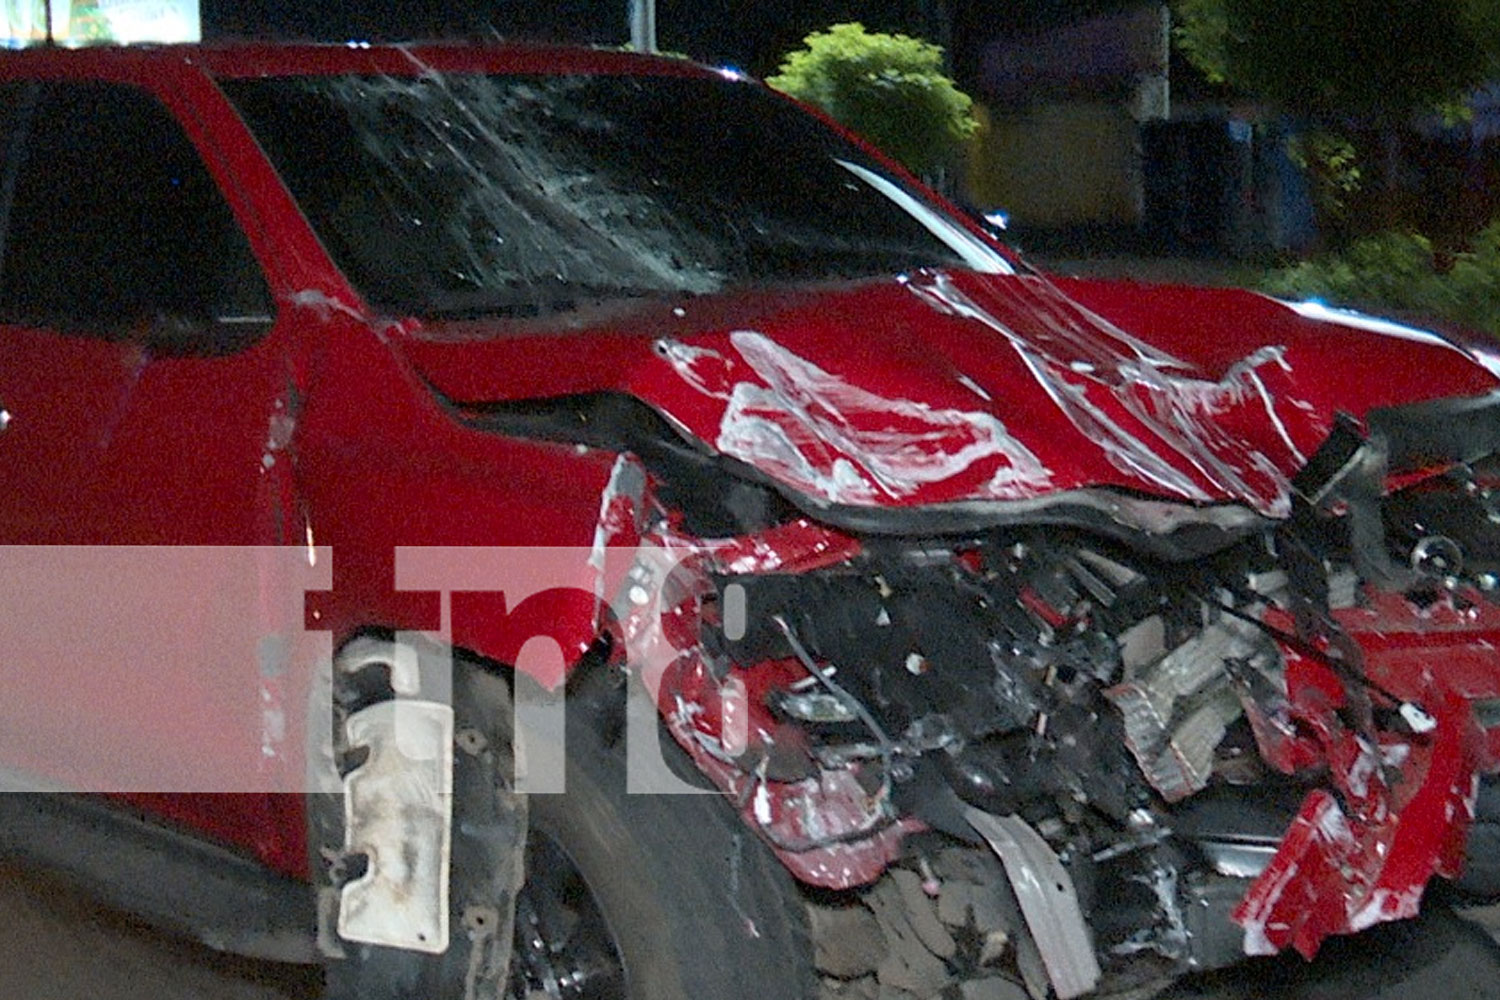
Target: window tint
pixel 17 101
pixel 115 226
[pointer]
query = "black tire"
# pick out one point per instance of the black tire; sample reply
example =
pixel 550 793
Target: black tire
pixel 697 906
pixel 630 897
pixel 1480 878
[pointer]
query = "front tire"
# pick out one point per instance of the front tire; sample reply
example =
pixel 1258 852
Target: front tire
pixel 695 907
pixel 626 897
pixel 1480 878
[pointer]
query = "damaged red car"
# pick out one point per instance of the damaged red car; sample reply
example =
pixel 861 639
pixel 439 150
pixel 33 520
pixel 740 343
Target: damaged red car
pixel 618 427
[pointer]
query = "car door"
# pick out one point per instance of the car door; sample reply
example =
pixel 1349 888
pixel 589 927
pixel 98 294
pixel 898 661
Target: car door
pixel 146 409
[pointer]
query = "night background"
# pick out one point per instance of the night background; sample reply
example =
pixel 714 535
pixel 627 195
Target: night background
pixel 749 34
pixel 1101 139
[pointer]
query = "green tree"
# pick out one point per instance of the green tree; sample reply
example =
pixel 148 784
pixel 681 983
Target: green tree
pixel 1327 59
pixel 1396 272
pixel 888 88
pixel 1329 63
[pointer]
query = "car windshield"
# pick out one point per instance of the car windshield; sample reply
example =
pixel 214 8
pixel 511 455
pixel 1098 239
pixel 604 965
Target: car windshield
pixel 465 194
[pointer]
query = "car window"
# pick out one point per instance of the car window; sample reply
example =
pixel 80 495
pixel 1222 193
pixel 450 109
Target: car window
pixel 526 195
pixel 17 102
pixel 116 228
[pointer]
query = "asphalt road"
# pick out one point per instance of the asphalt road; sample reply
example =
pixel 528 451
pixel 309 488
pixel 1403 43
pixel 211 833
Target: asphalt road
pixel 58 946
pixel 1440 955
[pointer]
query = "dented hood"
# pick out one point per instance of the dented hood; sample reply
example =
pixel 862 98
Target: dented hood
pixel 944 388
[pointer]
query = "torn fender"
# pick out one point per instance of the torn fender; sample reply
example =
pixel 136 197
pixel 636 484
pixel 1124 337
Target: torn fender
pixel 1402 797
pixel 1343 868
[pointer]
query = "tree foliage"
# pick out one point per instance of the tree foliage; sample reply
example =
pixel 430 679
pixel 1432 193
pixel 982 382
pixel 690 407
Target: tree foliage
pixel 889 88
pixel 1331 58
pixel 1399 272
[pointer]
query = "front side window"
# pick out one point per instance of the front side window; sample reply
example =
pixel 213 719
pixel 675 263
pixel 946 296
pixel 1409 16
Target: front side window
pixel 526 195
pixel 115 225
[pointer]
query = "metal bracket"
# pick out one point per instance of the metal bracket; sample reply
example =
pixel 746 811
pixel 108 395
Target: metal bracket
pixel 1048 899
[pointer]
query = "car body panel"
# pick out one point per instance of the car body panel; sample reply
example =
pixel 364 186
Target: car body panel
pixel 983 388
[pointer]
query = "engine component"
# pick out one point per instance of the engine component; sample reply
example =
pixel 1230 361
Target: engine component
pixel 1177 710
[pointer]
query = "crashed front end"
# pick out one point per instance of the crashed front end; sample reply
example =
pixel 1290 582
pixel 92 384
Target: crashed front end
pixel 1232 735
pixel 1139 628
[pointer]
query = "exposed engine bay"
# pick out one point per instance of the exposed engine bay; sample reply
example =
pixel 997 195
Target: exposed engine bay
pixel 1178 754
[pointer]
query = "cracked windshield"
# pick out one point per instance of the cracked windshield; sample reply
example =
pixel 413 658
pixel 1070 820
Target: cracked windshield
pixel 522 196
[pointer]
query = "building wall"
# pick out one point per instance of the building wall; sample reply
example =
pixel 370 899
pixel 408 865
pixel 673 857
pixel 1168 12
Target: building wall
pixel 1059 164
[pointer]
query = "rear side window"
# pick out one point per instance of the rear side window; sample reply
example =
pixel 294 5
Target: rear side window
pixel 114 225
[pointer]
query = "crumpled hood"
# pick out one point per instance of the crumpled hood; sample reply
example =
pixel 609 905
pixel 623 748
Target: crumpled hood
pixel 940 388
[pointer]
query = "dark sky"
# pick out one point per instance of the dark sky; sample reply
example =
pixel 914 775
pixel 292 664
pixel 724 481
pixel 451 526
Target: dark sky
pixel 749 34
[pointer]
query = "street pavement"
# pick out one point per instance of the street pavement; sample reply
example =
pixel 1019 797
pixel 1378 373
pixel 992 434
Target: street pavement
pixel 57 945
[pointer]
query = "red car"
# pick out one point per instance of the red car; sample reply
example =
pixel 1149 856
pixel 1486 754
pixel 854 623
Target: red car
pixel 397 440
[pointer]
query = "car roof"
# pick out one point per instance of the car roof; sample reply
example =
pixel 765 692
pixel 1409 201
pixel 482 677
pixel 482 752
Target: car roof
pixel 238 60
